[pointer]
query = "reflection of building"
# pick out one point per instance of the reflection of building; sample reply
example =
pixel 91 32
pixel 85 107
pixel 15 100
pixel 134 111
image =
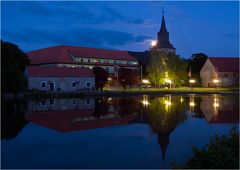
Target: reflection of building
pixel 224 70
pixel 73 114
pixel 220 109
pixel 60 79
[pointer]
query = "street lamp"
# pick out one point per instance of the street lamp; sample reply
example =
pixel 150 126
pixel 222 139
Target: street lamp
pixel 145 82
pixel 191 81
pixel 216 81
pixel 168 81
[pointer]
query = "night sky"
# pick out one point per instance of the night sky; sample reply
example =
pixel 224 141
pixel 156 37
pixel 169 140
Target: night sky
pixel 208 27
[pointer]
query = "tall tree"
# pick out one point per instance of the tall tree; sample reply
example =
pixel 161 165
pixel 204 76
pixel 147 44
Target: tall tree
pixel 101 76
pixel 128 77
pixel 14 61
pixel 196 63
pixel 162 66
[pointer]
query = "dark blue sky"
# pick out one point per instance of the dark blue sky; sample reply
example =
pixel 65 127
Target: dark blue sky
pixel 208 27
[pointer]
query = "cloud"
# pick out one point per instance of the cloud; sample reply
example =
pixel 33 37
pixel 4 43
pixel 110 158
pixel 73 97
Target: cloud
pixel 66 12
pixel 77 36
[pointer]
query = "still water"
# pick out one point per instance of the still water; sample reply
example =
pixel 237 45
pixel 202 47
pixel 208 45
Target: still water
pixel 112 132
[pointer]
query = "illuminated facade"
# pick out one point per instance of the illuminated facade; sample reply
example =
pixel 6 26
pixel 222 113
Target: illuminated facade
pixel 219 71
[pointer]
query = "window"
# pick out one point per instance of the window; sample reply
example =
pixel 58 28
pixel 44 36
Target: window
pixel 225 75
pixel 128 62
pixel 43 103
pixel 234 75
pixel 107 69
pixel 88 84
pixel 52 102
pixel 89 60
pixel 73 84
pixel 74 101
pixel 81 60
pixel 43 84
pixel 88 102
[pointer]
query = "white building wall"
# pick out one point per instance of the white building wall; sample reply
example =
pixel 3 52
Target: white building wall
pixel 61 83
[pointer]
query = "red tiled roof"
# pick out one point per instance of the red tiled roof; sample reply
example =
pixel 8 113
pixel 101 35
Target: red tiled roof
pixel 64 121
pixel 36 71
pixel 62 54
pixel 225 64
pixel 231 116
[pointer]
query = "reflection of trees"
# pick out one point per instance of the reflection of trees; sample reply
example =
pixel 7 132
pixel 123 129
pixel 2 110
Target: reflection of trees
pixel 164 114
pixel 101 107
pixel 13 119
pixel 128 105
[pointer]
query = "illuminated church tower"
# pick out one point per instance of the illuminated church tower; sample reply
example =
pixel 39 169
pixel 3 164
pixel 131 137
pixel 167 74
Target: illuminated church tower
pixel 163 43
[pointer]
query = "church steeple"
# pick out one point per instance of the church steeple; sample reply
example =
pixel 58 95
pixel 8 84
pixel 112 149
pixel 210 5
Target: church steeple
pixel 163 43
pixel 163 25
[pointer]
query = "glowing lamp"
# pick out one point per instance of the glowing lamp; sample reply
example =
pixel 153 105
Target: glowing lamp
pixel 192 81
pixel 145 81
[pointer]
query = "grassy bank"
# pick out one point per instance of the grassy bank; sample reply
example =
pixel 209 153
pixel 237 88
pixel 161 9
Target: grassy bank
pixel 124 92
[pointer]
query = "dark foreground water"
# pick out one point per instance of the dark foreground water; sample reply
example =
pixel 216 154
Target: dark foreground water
pixel 130 132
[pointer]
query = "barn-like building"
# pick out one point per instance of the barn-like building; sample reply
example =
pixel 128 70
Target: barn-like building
pixel 220 71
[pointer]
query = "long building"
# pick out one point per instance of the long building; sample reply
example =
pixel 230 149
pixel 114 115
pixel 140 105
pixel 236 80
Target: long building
pixel 81 57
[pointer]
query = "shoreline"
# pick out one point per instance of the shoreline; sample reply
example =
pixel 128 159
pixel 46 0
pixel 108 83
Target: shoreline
pixel 112 93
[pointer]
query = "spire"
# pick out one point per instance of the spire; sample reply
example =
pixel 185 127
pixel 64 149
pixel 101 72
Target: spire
pixel 163 25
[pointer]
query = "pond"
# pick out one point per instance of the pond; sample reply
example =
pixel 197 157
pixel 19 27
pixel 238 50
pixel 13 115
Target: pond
pixel 112 132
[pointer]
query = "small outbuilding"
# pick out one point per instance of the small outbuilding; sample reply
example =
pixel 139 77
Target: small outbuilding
pixel 220 71
pixel 64 79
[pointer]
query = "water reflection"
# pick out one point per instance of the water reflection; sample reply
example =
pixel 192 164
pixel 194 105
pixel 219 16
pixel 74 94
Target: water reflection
pixel 12 118
pixel 163 114
pixel 220 109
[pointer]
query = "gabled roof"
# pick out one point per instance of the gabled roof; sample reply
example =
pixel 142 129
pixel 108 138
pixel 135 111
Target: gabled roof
pixel 65 54
pixel 73 120
pixel 225 64
pixel 37 71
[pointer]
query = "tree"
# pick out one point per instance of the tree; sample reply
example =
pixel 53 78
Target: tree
pixel 128 77
pixel 14 61
pixel 196 63
pixel 164 66
pixel 101 76
pixel 222 152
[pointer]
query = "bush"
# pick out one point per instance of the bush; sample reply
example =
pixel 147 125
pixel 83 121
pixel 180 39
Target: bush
pixel 221 153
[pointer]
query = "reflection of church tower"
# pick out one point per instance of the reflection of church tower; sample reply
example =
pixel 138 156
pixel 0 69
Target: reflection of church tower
pixel 163 43
pixel 163 141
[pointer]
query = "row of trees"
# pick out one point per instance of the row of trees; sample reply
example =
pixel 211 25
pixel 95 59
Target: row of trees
pixel 165 68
